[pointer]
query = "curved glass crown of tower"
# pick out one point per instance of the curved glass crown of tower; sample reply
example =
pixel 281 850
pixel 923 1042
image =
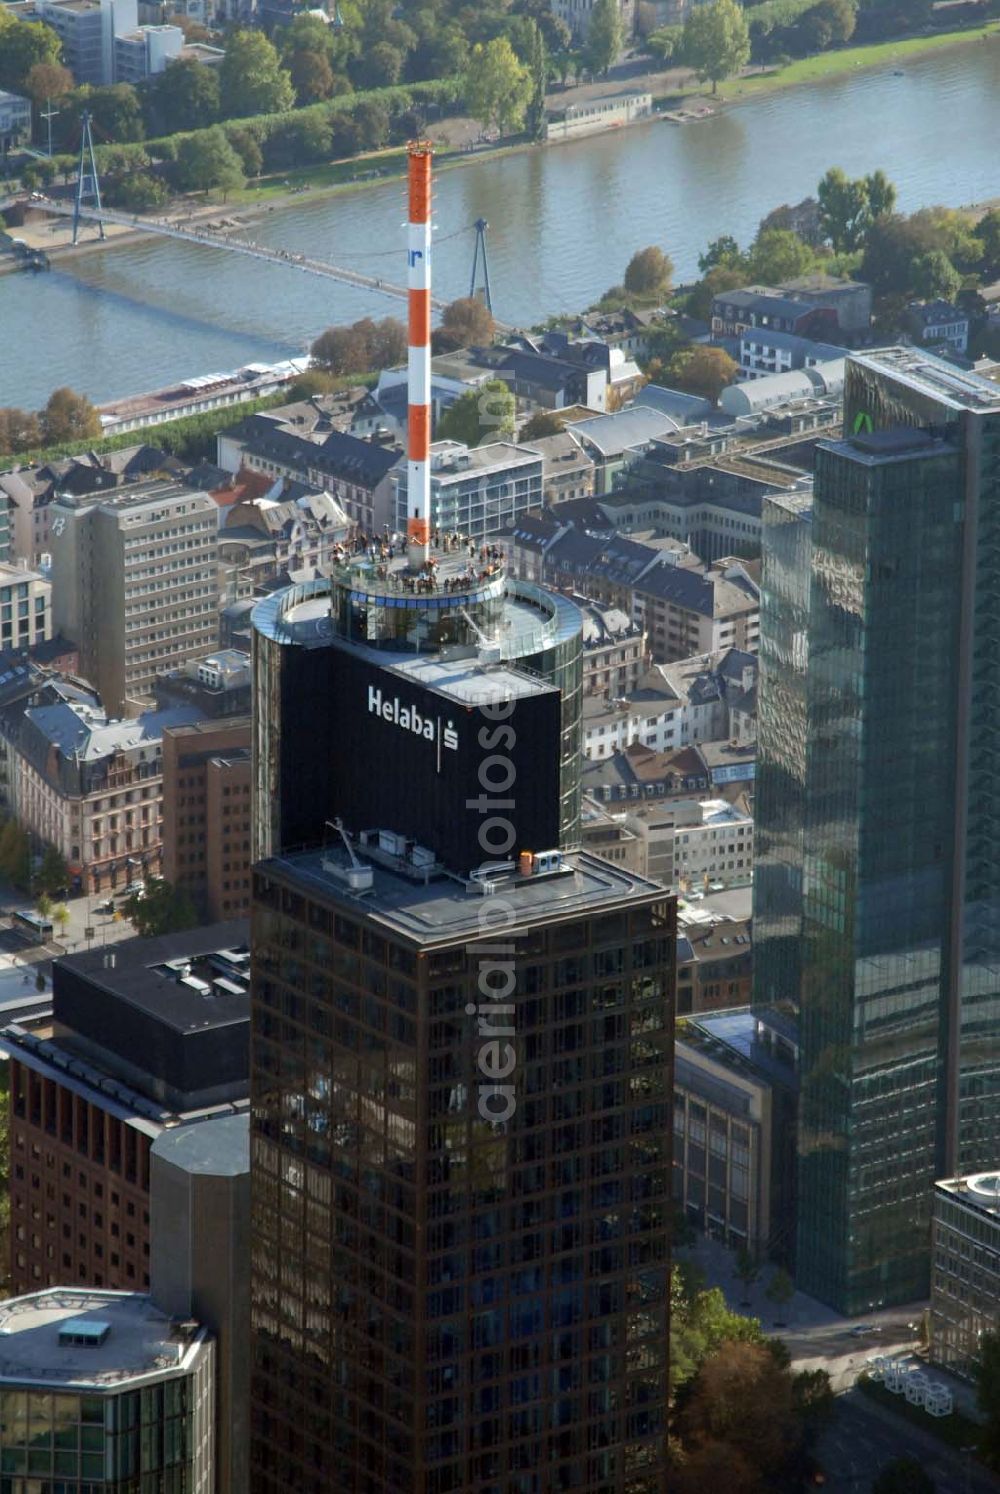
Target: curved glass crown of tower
pixel 464 606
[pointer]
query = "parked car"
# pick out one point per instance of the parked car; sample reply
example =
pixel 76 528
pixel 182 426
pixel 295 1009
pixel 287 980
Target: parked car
pixel 108 905
pixel 134 889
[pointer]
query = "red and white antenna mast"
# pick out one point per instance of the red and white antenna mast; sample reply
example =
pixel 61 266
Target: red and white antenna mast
pixel 418 472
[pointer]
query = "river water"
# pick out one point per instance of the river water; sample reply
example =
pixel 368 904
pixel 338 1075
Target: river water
pixel 563 224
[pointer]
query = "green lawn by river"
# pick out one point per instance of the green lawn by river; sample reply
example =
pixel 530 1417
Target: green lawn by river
pixel 843 61
pixel 846 59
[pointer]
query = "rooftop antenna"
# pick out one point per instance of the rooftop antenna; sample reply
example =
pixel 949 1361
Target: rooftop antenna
pixel 483 292
pixel 49 115
pixel 88 183
pixel 418 257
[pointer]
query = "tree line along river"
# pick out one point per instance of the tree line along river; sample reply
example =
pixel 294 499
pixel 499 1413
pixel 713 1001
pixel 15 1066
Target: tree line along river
pixel 564 221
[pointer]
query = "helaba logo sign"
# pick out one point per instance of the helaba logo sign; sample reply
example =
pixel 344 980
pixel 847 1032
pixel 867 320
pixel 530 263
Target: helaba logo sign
pixel 863 423
pixel 408 718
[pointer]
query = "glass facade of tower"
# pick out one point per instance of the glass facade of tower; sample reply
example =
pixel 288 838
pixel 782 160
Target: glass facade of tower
pixel 781 749
pixel 898 973
pixel 441 1303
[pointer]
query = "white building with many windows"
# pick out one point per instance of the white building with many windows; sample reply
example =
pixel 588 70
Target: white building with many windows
pixel 718 848
pixel 25 607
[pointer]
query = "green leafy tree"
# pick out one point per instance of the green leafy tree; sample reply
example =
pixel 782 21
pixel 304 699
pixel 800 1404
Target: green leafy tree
pixel 538 64
pixel 988 234
pixel 987 1388
pixel 777 255
pixel 722 251
pixel 60 917
pixel 662 342
pixel 649 272
pixel 465 323
pixel 306 32
pixel 116 113
pixel 481 415
pixel 555 32
pixel 247 147
pixel 440 52
pixel 39 173
pixel 945 229
pixel 699 1323
pixel 206 160
pixel 720 278
pixel 311 75
pixel 43 905
pixel 892 247
pixel 298 139
pixel 372 122
pixel 53 873
pixel 716 41
pixel 185 96
pixel 701 370
pixel 379 67
pixel 311 385
pixel 139 192
pixel 69 416
pixel 24 44
pixel 843 206
pixel 665 43
pixel 903 1476
pixel 497 86
pixel 15 855
pixel 161 909
pixel 605 36
pixel 746 1269
pixel 780 1289
pixel 827 24
pixel 251 77
pixel 542 423
pixel 881 194
pixel 935 277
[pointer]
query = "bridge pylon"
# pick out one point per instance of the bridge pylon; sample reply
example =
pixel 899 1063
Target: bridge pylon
pixel 482 291
pixel 88 183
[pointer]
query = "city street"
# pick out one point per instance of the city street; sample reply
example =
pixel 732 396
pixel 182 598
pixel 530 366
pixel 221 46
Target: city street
pixel 862 1438
pixel 83 915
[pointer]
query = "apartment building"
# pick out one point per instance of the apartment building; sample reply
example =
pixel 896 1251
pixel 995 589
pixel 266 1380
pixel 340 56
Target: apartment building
pixel 206 814
pixel 90 786
pixel 717 847
pixel 135 584
pixel 477 490
pixel 25 607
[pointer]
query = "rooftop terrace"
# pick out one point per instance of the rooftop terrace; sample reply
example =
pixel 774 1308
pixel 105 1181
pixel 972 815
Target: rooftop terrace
pixel 933 376
pixel 447 911
pixel 140 1342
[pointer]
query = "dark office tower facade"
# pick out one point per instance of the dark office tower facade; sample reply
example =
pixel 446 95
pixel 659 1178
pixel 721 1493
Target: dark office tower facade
pixel 460 1270
pixel 898 901
pixel 462 1055
pixel 779 793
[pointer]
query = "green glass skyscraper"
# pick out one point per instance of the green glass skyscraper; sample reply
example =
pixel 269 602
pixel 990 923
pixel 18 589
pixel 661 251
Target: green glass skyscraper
pixel 877 901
